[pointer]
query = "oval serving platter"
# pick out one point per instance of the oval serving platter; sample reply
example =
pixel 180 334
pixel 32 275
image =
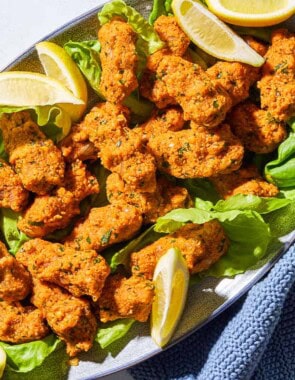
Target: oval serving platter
pixel 206 300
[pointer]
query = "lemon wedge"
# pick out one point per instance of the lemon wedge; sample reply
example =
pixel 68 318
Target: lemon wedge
pixel 171 279
pixel 211 34
pixel 252 12
pixel 59 65
pixel 22 88
pixel 2 361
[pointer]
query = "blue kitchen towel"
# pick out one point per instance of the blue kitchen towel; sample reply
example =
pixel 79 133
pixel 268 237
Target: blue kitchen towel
pixel 254 339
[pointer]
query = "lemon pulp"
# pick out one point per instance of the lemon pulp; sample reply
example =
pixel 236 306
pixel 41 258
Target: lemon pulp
pixel 254 13
pixel 171 280
pixel 216 36
pixel 59 65
pixel 22 88
pixel 254 6
pixel 211 34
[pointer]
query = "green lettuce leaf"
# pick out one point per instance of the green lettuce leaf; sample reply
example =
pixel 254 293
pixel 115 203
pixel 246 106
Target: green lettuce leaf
pixel 3 154
pixel 59 235
pixel 249 238
pixel 239 215
pixel 288 193
pixel 160 7
pixel 223 210
pixel 140 107
pixel 86 56
pixel 122 256
pixel 281 221
pixel 148 40
pixel 281 171
pixel 260 160
pixel 14 238
pixel 200 188
pixel 251 202
pixel 100 199
pixel 101 174
pixel 176 218
pixel 110 332
pixel 207 58
pixel 196 58
pixel 248 232
pixel 27 356
pixel 53 120
pixel 263 34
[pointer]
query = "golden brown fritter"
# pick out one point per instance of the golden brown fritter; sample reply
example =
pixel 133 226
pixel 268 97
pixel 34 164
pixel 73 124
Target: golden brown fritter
pixel 256 45
pixel 235 77
pixel 138 170
pixel 126 298
pixel 258 131
pixel 114 152
pixel 150 87
pixel 200 244
pixel 202 100
pixel 118 192
pixel 277 85
pixel 246 180
pixel 36 159
pixel 124 155
pixel 80 182
pixel 69 317
pixel 105 226
pixel 197 152
pixel 3 250
pixel 19 324
pixel 105 121
pixel 12 193
pixel 170 32
pixel 80 273
pixel 167 197
pixel 118 60
pixel 76 145
pixel 278 96
pixel 15 281
pixel 170 119
pixel 120 148
pixel 176 44
pixel 280 57
pixel 171 197
pixel 48 213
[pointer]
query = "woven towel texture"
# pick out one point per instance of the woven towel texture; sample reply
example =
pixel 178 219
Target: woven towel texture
pixel 254 339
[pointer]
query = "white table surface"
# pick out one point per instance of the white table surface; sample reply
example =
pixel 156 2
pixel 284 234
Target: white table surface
pixel 24 22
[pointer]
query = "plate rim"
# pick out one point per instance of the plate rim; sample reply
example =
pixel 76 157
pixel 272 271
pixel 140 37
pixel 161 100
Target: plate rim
pixel 226 305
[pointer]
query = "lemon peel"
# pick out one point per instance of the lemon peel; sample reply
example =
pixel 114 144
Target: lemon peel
pixel 59 65
pixel 171 279
pixel 256 13
pixel 211 34
pixel 22 88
